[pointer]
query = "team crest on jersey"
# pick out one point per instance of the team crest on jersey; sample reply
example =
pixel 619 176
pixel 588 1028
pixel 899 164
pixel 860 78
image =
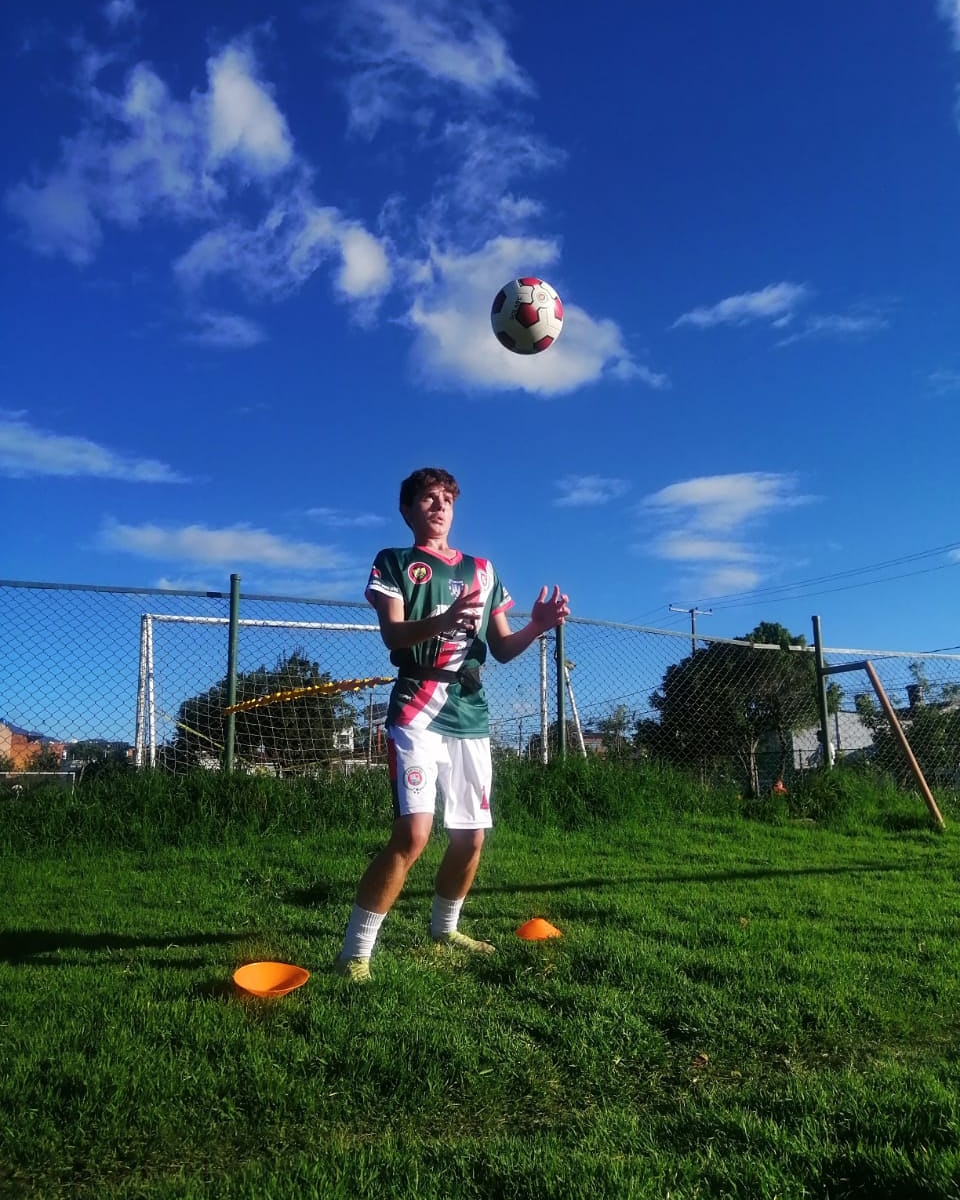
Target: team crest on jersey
pixel 420 572
pixel 414 779
pixel 456 587
pixel 483 579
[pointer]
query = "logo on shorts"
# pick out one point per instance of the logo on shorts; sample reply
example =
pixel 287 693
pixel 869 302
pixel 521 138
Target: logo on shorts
pixel 420 572
pixel 484 802
pixel 414 779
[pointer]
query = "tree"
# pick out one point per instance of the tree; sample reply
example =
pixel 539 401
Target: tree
pixel 535 742
pixel 614 730
pixel 931 723
pixel 291 735
pixel 728 699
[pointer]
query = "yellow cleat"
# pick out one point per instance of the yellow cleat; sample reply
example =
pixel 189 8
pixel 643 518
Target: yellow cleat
pixel 355 970
pixel 459 941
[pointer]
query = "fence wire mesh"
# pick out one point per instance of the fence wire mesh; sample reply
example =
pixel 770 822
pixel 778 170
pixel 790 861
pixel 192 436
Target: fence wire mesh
pixel 91 673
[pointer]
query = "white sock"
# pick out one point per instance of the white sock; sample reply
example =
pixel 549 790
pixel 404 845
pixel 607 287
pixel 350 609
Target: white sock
pixel 444 915
pixel 361 935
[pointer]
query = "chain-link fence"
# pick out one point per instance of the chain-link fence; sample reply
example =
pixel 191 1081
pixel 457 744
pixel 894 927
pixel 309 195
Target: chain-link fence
pixel 89 673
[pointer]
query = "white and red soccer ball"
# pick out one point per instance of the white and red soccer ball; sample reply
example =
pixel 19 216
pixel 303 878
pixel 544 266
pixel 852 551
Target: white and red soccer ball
pixel 527 315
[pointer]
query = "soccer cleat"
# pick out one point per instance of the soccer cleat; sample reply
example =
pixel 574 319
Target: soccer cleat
pixel 459 941
pixel 356 970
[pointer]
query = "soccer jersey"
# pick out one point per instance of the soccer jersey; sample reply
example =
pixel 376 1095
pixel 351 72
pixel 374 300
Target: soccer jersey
pixel 428 584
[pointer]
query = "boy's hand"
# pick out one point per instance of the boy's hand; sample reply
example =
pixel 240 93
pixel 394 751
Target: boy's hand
pixel 463 615
pixel 549 612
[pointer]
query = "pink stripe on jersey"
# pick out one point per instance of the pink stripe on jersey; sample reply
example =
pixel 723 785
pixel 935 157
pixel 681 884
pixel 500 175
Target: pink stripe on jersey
pixel 429 697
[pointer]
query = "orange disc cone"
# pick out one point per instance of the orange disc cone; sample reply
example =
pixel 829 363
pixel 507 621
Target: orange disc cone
pixel 269 978
pixel 537 929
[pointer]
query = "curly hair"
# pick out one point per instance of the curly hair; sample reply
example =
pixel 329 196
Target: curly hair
pixel 425 477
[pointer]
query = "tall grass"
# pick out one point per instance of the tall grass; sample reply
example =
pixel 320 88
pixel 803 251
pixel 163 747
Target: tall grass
pixel 141 810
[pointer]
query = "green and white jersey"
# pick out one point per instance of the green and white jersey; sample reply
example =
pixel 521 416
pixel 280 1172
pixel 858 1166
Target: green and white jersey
pixel 428 583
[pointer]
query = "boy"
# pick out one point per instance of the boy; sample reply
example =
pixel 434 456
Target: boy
pixel 439 612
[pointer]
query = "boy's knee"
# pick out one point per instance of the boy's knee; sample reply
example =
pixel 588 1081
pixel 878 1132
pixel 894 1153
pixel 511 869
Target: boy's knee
pixel 467 841
pixel 409 838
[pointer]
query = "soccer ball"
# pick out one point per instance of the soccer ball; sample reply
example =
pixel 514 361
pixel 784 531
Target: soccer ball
pixel 527 315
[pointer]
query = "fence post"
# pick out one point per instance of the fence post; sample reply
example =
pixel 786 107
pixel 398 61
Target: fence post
pixel 822 695
pixel 544 714
pixel 231 729
pixel 561 703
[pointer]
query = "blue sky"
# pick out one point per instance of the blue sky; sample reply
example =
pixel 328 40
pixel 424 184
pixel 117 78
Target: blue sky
pixel 250 250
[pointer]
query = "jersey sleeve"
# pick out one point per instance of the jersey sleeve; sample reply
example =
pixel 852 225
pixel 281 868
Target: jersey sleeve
pixel 384 577
pixel 500 598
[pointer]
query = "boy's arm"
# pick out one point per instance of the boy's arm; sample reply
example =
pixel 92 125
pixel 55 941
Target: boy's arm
pixel 547 613
pixel 399 634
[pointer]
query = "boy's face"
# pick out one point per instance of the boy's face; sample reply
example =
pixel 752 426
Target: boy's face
pixel 431 514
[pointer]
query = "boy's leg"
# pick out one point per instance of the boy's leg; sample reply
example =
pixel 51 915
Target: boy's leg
pixel 413 778
pixel 466 782
pixel 383 880
pixel 378 890
pixel 458 867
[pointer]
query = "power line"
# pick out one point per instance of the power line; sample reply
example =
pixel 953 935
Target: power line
pixel 789 591
pixel 853 571
pixel 849 587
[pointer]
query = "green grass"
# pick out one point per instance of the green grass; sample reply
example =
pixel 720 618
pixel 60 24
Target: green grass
pixel 738 1007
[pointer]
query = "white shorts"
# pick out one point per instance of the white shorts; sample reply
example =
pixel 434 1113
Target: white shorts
pixel 421 760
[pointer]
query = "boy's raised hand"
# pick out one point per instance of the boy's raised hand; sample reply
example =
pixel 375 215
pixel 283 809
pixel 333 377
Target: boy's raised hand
pixel 549 612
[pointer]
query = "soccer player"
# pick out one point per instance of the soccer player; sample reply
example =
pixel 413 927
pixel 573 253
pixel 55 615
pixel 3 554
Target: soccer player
pixel 440 611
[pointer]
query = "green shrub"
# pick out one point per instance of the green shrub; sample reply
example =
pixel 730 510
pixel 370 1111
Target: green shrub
pixel 856 798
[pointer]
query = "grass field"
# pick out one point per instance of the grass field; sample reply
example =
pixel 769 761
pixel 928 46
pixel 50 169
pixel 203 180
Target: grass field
pixel 738 1007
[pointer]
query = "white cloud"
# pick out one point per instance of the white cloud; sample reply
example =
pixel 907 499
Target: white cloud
pixel 776 303
pixel 286 248
pixel 331 585
pixel 838 327
pixel 244 120
pixel 724 502
pixel 341 520
pixel 142 152
pixel 682 546
pixel 475 199
pixel 364 268
pixel 27 451
pixel 728 581
pixel 120 12
pixel 450 315
pixel 950 11
pixel 58 216
pixel 944 383
pixel 402 49
pixel 580 491
pixel 199 545
pixel 702 522
pixel 224 330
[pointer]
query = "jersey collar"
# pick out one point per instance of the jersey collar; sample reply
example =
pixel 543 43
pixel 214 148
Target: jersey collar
pixel 455 556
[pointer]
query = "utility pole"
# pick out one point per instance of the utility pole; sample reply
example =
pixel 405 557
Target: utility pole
pixel 694 613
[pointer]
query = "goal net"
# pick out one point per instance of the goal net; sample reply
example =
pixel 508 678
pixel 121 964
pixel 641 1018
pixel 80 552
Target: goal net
pixel 320 685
